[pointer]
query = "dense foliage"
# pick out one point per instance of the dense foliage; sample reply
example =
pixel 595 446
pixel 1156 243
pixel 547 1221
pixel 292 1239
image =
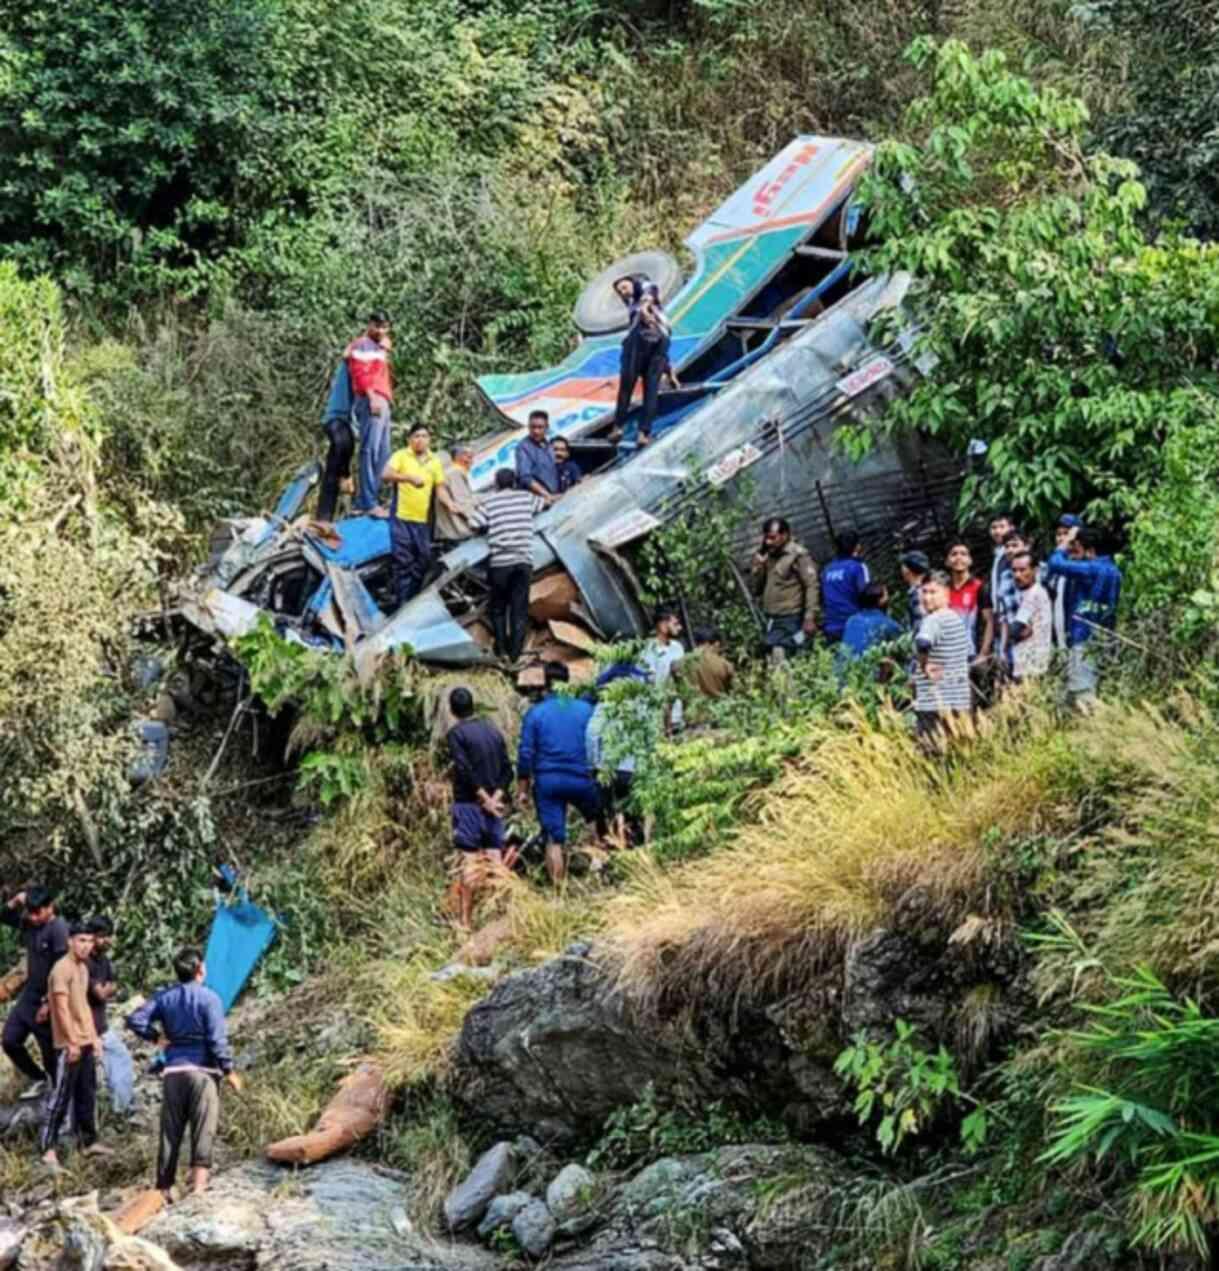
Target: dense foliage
pixel 200 204
pixel 1081 353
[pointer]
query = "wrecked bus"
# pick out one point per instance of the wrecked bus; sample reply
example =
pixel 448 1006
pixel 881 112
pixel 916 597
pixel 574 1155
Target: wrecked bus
pixel 771 341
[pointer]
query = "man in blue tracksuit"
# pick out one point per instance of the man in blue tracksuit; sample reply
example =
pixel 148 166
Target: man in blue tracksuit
pixel 1091 608
pixel 553 757
pixel 197 1055
pixel 842 584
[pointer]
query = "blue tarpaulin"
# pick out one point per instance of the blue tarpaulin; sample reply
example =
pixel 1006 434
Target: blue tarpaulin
pixel 240 935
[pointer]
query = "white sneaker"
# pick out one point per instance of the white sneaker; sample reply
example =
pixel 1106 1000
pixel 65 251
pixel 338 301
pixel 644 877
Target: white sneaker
pixel 36 1091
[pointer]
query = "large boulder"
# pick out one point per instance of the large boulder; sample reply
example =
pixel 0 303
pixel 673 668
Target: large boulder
pixel 553 1050
pixel 337 1216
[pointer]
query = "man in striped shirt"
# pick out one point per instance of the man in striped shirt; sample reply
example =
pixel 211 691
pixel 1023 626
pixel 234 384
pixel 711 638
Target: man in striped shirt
pixel 508 514
pixel 941 674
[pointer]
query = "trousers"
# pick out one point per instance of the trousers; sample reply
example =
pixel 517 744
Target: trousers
pixel 641 360
pixel 374 452
pixel 509 606
pixel 74 1087
pixel 338 464
pixel 189 1100
pixel 554 791
pixel 18 1028
pixel 411 544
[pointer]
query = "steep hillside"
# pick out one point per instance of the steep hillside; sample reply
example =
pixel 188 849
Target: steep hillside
pixel 850 1006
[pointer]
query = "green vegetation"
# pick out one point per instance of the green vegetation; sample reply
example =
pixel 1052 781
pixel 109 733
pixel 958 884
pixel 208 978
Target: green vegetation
pixel 904 1087
pixel 1045 307
pixel 647 1130
pixel 200 205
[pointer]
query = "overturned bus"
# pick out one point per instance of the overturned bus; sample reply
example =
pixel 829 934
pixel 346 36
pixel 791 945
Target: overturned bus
pixel 771 341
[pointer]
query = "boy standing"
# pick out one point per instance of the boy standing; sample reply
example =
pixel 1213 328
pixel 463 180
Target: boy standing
pixel 74 1081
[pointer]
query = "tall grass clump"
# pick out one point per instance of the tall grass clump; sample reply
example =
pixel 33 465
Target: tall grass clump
pixel 863 831
pixel 1148 895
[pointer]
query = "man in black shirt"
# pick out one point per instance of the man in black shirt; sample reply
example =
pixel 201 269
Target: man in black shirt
pixel 482 777
pixel 44 936
pixel 116 1058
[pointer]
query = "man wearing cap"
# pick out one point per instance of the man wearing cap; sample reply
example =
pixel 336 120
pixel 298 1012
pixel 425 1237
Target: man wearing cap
pixel 372 388
pixel 44 937
pixel 414 473
pixel 915 566
pixel 1057 586
pixel 784 577
pixel 456 508
pixel 74 1085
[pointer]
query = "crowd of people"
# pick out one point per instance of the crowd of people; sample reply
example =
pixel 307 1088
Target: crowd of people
pixel 62 1005
pixel 431 503
pixel 573 752
pixel 972 634
pixel 970 637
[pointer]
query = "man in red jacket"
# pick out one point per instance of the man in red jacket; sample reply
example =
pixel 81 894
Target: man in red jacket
pixel 368 366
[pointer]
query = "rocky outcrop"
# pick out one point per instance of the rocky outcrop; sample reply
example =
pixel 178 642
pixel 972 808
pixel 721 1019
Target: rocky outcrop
pixel 737 1207
pixel 74 1236
pixel 341 1215
pixel 553 1050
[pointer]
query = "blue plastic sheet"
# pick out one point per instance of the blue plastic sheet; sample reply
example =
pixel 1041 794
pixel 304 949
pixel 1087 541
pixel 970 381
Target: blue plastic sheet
pixel 240 935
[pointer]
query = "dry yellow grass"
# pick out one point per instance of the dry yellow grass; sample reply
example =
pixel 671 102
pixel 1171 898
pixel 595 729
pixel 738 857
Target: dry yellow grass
pixel 864 828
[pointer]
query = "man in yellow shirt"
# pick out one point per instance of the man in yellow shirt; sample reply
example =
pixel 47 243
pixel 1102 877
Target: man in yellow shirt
pixel 414 473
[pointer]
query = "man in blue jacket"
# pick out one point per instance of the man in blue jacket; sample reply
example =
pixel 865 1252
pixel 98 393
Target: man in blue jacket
pixel 197 1054
pixel 1091 608
pixel 842 584
pixel 553 758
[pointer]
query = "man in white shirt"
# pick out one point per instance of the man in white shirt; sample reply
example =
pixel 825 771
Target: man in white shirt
pixel 1032 629
pixel 661 654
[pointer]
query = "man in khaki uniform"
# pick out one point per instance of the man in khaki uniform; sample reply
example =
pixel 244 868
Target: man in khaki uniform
pixel 706 668
pixel 74 1080
pixel 456 508
pixel 784 577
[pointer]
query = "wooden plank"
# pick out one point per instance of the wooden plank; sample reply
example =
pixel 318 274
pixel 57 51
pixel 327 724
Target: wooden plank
pixel 570 633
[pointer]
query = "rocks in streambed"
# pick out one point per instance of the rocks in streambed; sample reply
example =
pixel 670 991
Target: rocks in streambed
pixel 72 1234
pixel 492 1174
pixel 483 1198
pixel 500 1213
pixel 534 1228
pixel 336 1216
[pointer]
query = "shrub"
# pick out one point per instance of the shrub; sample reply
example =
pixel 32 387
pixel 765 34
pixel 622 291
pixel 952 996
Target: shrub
pixel 855 823
pixel 1155 1112
pixel 904 1088
pixel 646 1130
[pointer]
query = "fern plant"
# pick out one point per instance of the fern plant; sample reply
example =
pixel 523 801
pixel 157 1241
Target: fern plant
pixel 1158 1111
